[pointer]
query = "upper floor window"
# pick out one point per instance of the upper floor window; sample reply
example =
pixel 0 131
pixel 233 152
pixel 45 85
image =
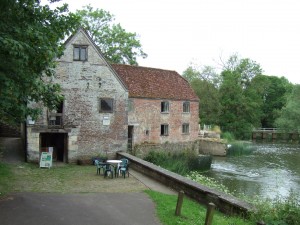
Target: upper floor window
pixel 164 130
pixel 185 128
pixel 186 107
pixel 164 106
pixel 80 53
pixel 106 105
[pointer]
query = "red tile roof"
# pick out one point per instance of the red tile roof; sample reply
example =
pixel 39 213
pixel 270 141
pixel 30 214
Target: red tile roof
pixel 144 82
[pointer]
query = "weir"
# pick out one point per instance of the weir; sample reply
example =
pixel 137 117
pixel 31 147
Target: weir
pixel 274 134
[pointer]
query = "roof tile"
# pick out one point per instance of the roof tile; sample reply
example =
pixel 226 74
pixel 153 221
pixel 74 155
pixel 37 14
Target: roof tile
pixel 145 82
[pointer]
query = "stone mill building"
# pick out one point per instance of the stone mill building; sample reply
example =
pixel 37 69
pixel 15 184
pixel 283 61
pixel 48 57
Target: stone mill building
pixel 109 107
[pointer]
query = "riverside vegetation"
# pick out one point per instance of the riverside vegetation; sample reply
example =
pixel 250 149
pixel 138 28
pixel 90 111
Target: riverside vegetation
pixel 276 212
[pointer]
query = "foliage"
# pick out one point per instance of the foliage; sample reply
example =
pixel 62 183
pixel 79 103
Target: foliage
pixel 240 110
pixel 229 137
pixel 191 212
pixel 117 45
pixel 290 114
pixel 207 181
pixel 30 40
pixel 181 162
pixel 281 212
pixel 205 84
pixel 272 92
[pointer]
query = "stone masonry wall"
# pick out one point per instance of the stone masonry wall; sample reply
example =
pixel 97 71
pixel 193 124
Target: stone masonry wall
pixel 83 83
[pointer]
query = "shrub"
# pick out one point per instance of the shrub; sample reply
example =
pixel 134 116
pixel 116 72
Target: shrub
pixel 228 136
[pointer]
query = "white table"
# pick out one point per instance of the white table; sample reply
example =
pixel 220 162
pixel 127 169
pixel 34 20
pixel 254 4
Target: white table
pixel 115 162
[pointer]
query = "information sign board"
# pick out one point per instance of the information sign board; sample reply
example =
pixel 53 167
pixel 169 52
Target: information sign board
pixel 46 159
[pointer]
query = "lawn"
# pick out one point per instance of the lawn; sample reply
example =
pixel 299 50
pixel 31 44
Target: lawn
pixel 192 213
pixel 66 178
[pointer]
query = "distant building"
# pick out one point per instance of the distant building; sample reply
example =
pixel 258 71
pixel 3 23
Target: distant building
pixel 107 107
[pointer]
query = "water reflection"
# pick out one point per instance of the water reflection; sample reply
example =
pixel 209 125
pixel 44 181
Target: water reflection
pixel 273 170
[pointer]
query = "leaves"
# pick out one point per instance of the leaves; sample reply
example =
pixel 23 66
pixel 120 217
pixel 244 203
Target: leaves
pixel 30 39
pixel 116 44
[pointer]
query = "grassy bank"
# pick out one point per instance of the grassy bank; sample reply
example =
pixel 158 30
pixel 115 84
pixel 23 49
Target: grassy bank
pixel 191 213
pixel 63 178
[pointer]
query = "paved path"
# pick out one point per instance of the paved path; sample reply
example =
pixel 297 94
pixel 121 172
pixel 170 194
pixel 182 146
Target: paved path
pixel 82 209
pixel 78 209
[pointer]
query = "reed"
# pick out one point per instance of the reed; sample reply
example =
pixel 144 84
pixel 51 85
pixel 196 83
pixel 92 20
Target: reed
pixel 180 162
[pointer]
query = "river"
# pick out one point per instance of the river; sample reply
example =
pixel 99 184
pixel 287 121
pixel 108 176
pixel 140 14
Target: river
pixel 271 171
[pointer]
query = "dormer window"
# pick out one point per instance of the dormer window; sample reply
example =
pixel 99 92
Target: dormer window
pixel 80 53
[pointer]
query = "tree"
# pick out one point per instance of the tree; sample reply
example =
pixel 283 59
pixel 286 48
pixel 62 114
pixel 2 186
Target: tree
pixel 30 39
pixel 205 82
pixel 117 45
pixel 272 91
pixel 290 114
pixel 240 109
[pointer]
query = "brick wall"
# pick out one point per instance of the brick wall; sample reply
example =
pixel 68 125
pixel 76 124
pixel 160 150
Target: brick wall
pixel 146 117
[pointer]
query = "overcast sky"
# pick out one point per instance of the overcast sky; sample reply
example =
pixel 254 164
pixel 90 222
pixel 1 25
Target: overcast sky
pixel 175 33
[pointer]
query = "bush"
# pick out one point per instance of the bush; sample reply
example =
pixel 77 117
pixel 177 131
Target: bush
pixel 281 212
pixel 229 137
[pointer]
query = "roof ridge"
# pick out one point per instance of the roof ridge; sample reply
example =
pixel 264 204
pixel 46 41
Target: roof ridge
pixel 145 67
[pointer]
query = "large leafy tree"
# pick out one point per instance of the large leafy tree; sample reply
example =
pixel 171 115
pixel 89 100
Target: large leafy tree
pixel 272 92
pixel 30 39
pixel 290 114
pixel 241 109
pixel 117 45
pixel 204 82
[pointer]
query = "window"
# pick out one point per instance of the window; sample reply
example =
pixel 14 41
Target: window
pixel 185 128
pixel 186 107
pixel 164 130
pixel 164 106
pixel 80 53
pixel 106 105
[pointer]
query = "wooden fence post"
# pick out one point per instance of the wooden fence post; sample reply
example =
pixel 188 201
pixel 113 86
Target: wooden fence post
pixel 210 213
pixel 179 203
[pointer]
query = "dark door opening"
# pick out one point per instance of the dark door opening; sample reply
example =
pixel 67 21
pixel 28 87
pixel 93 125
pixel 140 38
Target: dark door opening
pixel 59 143
pixel 130 137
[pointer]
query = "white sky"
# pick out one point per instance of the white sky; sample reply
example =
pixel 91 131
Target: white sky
pixel 175 33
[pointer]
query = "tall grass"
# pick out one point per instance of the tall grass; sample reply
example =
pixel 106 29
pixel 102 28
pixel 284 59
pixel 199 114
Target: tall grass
pixel 180 162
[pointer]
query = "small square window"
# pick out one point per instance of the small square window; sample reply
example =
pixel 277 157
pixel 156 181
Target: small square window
pixel 164 106
pixel 80 53
pixel 106 105
pixel 164 130
pixel 186 107
pixel 185 128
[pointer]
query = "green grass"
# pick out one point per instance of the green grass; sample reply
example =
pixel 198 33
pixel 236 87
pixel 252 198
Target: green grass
pixel 64 178
pixel 6 179
pixel 192 213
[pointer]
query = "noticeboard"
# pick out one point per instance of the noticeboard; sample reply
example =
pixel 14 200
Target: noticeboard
pixel 46 159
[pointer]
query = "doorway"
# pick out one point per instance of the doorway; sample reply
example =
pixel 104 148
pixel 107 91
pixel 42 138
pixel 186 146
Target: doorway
pixel 130 138
pixel 59 143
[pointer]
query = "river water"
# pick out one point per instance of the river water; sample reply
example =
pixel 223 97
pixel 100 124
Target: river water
pixel 271 171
